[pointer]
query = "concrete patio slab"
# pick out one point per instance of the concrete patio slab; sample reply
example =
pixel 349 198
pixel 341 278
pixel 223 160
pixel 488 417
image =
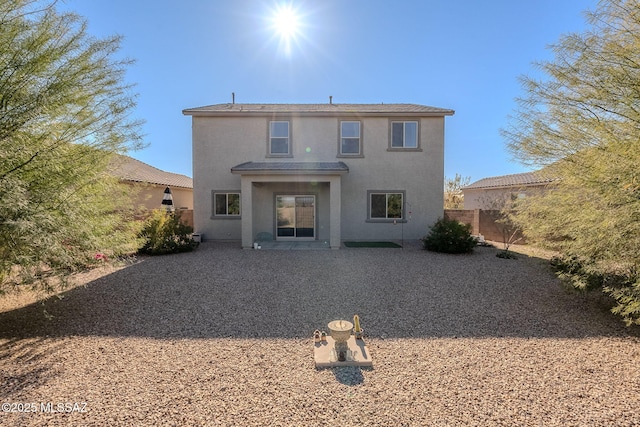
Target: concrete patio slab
pixel 325 357
pixel 294 245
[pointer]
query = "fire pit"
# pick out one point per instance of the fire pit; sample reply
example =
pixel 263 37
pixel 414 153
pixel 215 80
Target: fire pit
pixel 341 332
pixel 340 347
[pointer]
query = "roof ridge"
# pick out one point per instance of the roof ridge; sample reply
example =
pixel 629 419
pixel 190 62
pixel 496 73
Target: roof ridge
pixel 154 167
pixel 509 174
pixel 511 180
pixel 131 169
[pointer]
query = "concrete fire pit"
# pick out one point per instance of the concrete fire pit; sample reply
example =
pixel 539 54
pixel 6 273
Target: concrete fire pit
pixel 341 348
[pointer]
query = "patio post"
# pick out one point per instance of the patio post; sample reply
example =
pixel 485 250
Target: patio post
pixel 246 211
pixel 335 193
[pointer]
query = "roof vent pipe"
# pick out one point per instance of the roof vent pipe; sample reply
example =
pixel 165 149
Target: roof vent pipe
pixel 330 99
pixel 233 97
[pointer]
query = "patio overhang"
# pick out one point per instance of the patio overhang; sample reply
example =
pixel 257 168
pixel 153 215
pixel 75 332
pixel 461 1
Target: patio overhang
pixel 256 173
pixel 291 168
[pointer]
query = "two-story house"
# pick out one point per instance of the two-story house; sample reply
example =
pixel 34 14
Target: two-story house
pixel 329 172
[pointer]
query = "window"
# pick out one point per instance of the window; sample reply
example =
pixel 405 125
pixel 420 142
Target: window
pixel 279 138
pixel 226 204
pixel 349 138
pixel 404 134
pixel 384 206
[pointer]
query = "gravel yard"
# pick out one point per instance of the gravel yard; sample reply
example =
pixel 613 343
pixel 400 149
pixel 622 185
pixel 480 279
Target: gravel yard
pixel 222 337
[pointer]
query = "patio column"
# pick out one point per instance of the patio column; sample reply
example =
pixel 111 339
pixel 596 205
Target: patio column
pixel 246 188
pixel 335 211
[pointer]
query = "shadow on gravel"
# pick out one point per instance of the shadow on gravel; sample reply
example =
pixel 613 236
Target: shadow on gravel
pixel 223 291
pixel 36 368
pixel 349 375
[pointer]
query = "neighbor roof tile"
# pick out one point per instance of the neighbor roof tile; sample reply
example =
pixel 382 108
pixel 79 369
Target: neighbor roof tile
pixel 514 180
pixel 130 169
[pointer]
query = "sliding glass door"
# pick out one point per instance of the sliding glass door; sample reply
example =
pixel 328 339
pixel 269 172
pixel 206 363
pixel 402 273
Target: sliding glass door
pixel 296 217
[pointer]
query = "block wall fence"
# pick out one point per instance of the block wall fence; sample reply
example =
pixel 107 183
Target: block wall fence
pixel 482 222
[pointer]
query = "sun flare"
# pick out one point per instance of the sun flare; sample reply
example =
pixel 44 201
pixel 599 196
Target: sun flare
pixel 286 22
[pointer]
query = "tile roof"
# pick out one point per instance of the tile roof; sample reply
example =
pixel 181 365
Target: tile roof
pixel 318 109
pixel 291 167
pixel 514 180
pixel 130 169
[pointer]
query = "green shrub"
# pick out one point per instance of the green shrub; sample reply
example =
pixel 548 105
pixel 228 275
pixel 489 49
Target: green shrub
pixel 449 236
pixel 506 254
pixel 164 233
pixel 620 282
pixel 628 301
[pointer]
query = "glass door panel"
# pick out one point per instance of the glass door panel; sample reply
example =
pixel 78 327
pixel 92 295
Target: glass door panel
pixel 305 216
pixel 285 212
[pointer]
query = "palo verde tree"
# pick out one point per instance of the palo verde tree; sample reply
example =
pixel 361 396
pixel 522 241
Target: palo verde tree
pixel 453 197
pixel 64 111
pixel 582 125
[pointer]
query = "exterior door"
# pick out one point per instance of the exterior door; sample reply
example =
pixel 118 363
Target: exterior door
pixel 296 217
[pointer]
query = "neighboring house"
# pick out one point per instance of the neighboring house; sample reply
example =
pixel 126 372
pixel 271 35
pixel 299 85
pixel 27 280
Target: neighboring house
pixel 151 182
pixel 489 193
pixel 329 172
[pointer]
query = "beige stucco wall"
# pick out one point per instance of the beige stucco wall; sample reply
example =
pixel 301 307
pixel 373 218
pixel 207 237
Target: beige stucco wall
pixel 419 173
pixel 219 143
pixel 149 196
pixel 493 198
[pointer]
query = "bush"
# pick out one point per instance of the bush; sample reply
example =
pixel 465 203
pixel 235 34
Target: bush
pixel 506 254
pixel 449 236
pixel 620 283
pixel 164 233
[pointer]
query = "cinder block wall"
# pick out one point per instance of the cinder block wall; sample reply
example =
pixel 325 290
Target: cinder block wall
pixel 465 216
pixel 482 222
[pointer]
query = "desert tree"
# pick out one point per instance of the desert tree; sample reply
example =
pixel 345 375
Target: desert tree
pixel 581 124
pixel 64 111
pixel 453 197
pixel 501 208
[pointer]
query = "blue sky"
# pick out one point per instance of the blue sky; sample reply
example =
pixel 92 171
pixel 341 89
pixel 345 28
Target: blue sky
pixel 465 55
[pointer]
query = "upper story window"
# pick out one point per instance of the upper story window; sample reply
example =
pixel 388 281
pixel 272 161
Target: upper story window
pixel 350 140
pixel 279 140
pixel 404 134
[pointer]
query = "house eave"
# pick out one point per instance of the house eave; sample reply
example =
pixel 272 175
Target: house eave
pixel 314 114
pixel 300 172
pixel 318 110
pixel 290 168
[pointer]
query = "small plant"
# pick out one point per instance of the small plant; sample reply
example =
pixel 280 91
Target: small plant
pixel 506 254
pixel 449 236
pixel 164 233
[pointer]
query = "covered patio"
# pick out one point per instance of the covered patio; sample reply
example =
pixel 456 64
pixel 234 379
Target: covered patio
pixel 262 183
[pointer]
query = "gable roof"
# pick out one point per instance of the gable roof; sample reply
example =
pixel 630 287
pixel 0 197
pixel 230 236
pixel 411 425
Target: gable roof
pixel 317 110
pixel 513 180
pixel 129 169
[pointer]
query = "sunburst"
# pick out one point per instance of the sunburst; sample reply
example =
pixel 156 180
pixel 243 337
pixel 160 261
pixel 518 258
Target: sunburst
pixel 286 22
